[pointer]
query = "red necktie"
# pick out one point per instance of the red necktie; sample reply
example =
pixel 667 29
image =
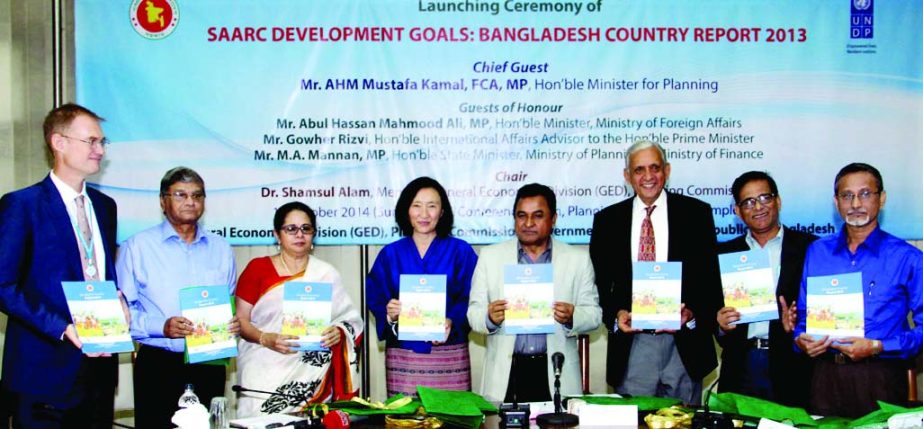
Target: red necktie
pixel 646 248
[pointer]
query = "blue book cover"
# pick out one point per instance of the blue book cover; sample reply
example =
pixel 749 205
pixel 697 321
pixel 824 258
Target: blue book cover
pixel 422 308
pixel 306 312
pixel 529 292
pixel 209 309
pixel 749 285
pixel 97 314
pixel 836 306
pixel 656 295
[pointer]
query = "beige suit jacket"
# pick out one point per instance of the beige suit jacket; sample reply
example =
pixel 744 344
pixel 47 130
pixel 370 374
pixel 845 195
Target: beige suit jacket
pixel 573 283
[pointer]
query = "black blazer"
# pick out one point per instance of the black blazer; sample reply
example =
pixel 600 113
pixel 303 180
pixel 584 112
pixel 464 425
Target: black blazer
pixel 790 372
pixel 692 242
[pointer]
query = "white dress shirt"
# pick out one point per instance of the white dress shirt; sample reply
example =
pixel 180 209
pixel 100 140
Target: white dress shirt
pixel 68 195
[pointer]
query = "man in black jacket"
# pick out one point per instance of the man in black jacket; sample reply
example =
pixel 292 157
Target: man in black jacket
pixel 758 358
pixel 656 225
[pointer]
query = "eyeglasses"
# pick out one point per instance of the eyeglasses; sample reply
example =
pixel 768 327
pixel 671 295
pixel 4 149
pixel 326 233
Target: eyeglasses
pixel 180 196
pixel 92 141
pixel 292 229
pixel 864 195
pixel 764 199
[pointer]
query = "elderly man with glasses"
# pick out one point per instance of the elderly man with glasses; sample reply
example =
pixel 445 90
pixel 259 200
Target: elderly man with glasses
pixel 851 374
pixel 757 358
pixel 153 265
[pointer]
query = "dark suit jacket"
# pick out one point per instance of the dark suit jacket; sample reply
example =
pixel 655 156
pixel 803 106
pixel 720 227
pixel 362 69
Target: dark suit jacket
pixel 692 242
pixel 790 372
pixel 38 250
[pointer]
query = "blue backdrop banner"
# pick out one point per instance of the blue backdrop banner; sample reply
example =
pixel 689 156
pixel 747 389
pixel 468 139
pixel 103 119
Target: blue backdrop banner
pixel 340 103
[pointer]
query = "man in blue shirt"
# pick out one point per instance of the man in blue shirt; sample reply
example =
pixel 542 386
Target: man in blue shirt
pixel 153 266
pixel 851 374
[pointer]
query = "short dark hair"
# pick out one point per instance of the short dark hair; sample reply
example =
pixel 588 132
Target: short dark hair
pixel 287 208
pixel 752 176
pixel 536 190
pixel 402 208
pixel 180 174
pixel 60 118
pixel 859 167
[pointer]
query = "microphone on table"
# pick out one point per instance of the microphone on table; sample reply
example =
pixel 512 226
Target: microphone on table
pixel 557 362
pixel 558 418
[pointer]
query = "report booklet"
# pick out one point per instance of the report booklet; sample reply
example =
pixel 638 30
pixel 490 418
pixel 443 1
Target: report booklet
pixel 529 292
pixel 656 295
pixel 98 316
pixel 422 308
pixel 306 312
pixel 209 309
pixel 749 285
pixel 836 306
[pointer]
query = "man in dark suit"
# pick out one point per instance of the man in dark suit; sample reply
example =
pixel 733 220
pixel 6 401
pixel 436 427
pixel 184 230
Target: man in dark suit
pixel 758 358
pixel 657 226
pixel 57 230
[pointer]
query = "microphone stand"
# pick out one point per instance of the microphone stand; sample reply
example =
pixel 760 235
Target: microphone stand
pixel 709 420
pixel 558 419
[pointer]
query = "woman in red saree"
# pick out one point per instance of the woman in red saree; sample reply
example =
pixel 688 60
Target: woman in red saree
pixel 266 360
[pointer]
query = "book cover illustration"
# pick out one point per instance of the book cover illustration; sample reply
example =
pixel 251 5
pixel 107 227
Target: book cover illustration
pixel 835 306
pixel 97 314
pixel 306 311
pixel 422 308
pixel 529 292
pixel 209 309
pixel 656 295
pixel 749 285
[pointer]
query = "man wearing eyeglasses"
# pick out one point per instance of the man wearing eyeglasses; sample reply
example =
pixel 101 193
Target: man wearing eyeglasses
pixel 57 230
pixel 153 265
pixel 656 226
pixel 851 374
pixel 757 358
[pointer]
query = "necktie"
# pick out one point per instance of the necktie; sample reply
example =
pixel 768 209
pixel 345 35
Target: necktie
pixel 87 257
pixel 646 248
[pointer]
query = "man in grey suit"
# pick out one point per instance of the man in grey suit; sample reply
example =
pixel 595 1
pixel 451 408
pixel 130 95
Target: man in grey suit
pixel 517 367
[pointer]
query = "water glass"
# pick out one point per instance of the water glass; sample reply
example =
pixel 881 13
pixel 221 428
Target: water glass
pixel 218 413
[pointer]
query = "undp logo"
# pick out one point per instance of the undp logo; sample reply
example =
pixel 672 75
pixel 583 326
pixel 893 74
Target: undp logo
pixel 154 19
pixel 862 19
